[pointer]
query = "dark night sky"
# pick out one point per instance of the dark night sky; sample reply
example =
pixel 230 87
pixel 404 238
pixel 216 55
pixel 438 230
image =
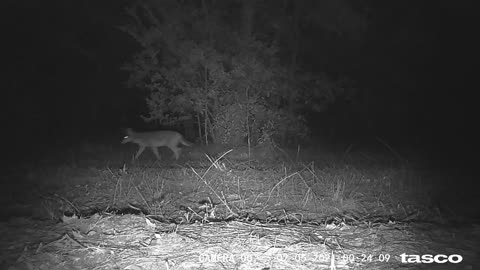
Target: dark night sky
pixel 63 63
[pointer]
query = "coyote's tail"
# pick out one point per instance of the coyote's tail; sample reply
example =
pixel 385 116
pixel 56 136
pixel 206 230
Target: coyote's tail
pixel 185 142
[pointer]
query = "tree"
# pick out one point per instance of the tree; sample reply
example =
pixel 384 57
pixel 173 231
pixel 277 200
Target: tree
pixel 195 64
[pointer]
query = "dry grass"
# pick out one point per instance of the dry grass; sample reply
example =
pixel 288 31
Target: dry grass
pixel 227 210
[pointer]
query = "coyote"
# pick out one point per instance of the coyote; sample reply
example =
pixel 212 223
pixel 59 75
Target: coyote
pixel 155 139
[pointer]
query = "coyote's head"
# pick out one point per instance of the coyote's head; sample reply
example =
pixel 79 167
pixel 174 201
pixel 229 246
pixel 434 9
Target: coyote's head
pixel 127 137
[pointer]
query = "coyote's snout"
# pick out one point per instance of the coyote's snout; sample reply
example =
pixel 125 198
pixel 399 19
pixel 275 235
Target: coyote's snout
pixel 154 139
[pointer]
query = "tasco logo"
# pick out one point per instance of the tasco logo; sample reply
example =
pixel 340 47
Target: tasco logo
pixel 428 258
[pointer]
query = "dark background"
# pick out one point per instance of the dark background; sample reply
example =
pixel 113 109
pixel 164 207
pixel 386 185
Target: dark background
pixel 415 67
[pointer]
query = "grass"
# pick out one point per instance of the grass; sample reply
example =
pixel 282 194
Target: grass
pixel 348 203
pixel 268 186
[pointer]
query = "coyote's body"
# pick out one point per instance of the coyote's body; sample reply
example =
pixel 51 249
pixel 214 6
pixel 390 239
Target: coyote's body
pixel 154 139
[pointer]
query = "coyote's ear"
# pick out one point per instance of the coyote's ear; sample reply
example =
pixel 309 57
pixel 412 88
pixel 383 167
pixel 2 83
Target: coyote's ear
pixel 127 131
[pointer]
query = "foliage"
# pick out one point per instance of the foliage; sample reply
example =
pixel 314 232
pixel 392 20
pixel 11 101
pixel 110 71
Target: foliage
pixel 194 64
